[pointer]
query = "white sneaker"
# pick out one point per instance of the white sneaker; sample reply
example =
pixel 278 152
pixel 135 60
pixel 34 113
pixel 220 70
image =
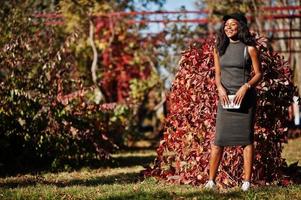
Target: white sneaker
pixel 210 185
pixel 245 185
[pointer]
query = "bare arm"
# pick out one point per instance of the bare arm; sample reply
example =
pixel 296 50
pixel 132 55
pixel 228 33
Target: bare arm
pixel 217 69
pixel 254 80
pixel 256 66
pixel 221 90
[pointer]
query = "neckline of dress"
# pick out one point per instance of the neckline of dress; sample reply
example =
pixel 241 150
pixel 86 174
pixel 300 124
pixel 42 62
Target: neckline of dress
pixel 238 41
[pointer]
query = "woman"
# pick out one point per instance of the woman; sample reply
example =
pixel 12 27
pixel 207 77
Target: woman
pixel 234 127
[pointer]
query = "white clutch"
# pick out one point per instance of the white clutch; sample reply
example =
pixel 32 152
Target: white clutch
pixel 231 105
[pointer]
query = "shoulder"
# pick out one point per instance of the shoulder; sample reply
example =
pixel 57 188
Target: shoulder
pixel 252 50
pixel 215 51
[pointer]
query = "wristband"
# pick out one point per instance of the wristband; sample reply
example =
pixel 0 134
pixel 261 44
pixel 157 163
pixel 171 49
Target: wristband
pixel 248 85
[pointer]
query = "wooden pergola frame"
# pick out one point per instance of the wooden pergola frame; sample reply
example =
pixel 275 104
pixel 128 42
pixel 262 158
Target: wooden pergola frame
pixel 57 19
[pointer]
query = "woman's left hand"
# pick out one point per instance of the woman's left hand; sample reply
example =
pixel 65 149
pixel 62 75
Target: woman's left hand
pixel 240 94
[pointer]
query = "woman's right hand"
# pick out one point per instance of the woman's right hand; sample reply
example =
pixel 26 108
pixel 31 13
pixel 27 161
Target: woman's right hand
pixel 223 95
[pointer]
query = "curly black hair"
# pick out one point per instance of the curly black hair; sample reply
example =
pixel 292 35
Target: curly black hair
pixel 244 35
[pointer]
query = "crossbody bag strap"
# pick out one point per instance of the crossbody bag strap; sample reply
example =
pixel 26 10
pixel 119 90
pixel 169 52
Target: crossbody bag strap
pixel 244 61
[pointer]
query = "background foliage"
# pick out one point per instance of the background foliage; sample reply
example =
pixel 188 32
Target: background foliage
pixel 93 83
pixel 52 110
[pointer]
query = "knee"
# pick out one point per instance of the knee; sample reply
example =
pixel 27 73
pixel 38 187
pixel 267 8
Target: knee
pixel 248 148
pixel 217 149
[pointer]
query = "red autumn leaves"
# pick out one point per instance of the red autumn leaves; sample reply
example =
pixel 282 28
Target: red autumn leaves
pixel 183 153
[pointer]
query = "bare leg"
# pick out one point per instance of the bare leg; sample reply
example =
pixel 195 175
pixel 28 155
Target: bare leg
pixel 215 158
pixel 248 161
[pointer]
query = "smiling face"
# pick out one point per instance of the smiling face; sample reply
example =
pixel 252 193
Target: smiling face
pixel 231 28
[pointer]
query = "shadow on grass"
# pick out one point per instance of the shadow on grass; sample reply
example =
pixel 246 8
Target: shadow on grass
pixel 293 171
pixel 121 178
pixel 127 161
pixel 71 165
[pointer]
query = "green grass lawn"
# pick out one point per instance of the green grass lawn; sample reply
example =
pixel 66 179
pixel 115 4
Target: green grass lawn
pixel 122 181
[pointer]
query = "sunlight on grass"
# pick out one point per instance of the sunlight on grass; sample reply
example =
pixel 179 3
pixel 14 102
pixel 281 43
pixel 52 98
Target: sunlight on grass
pixel 292 151
pixel 142 153
pixel 147 189
pixel 124 181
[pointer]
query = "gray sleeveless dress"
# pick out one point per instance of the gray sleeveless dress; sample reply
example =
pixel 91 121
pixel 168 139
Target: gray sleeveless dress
pixel 235 126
